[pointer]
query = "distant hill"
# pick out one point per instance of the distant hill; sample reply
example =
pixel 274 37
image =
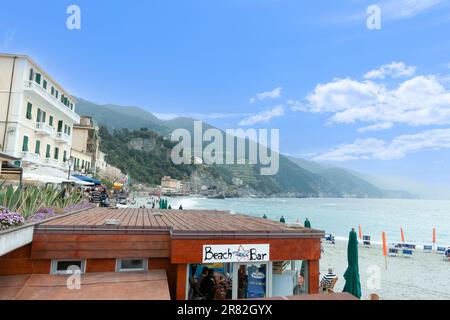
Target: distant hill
pixel 296 177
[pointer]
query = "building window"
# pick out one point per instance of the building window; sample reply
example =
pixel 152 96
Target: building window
pixel 25 144
pixel 60 125
pixel 53 91
pixel 65 156
pixel 39 114
pixel 31 74
pixel 82 164
pixel 127 265
pixel 56 153
pixel 68 266
pixel 37 149
pixel 29 111
pixel 69 130
pixel 44 116
pixel 38 78
pixel 50 121
pixel 47 152
pixel 56 94
pixel 44 84
pixel 65 128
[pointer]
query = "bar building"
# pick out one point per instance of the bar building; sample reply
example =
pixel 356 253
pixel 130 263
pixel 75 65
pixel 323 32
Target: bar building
pixel 251 257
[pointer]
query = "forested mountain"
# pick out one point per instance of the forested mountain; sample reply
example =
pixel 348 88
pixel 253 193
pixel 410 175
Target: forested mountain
pixel 138 142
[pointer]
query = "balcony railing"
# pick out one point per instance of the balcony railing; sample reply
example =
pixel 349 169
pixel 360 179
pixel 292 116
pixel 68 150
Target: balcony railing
pixel 43 128
pixel 53 163
pixel 62 137
pixel 30 157
pixel 36 88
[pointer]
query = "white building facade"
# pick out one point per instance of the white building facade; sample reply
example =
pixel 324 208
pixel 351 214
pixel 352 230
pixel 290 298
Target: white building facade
pixel 36 114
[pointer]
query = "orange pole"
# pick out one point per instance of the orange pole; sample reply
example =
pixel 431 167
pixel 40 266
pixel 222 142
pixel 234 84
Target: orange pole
pixel 434 235
pixel 402 234
pixel 360 232
pixel 384 244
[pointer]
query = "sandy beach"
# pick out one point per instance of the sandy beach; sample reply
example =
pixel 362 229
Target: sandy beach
pixel 425 276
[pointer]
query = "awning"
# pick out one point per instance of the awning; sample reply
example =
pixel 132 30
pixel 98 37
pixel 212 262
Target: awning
pixel 81 182
pixel 45 175
pixel 87 179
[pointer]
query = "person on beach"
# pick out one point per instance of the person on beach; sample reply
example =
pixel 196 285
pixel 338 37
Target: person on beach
pixel 327 280
pixel 95 196
pixel 181 207
pixel 104 198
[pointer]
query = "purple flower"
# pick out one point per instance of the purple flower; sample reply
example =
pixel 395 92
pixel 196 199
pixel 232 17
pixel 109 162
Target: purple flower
pixel 43 214
pixel 10 219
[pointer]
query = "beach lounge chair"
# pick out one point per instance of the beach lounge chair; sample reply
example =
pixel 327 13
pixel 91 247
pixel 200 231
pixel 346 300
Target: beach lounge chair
pixel 427 248
pixel 409 246
pixel 393 252
pixel 407 252
pixel 366 241
pixel 441 250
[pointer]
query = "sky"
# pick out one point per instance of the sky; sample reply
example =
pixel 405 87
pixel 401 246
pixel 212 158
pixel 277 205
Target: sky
pixel 375 101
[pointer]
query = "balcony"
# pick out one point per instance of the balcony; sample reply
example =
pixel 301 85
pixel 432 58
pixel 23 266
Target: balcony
pixel 53 163
pixel 45 96
pixel 43 129
pixel 30 157
pixel 62 137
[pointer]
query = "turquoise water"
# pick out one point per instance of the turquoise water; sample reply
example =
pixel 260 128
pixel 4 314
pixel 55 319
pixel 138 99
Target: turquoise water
pixel 338 216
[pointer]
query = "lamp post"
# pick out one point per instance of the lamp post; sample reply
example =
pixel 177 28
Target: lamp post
pixel 69 162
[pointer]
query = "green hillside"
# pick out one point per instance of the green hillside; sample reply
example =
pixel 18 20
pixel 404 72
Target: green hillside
pixel 296 177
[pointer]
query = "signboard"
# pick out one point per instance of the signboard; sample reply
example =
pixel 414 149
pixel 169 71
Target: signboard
pixel 236 253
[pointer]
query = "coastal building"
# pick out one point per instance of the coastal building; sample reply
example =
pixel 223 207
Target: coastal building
pixel 169 183
pixel 85 145
pixel 251 257
pixel 37 115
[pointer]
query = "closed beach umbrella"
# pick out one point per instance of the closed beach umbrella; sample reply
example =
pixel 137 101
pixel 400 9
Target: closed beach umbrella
pixel 264 216
pixel 402 234
pixel 282 220
pixel 351 276
pixel 434 235
pixel 360 232
pixel 307 224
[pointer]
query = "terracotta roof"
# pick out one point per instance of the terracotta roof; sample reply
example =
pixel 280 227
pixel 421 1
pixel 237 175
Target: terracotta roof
pixel 179 223
pixel 151 285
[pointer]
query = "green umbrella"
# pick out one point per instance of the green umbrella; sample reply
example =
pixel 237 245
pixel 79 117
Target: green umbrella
pixel 351 276
pixel 307 224
pixel 302 270
pixel 264 216
pixel 282 220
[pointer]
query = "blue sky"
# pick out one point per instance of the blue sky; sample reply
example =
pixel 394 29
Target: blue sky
pixel 377 101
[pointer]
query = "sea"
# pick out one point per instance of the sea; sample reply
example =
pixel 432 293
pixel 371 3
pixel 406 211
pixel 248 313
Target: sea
pixel 339 216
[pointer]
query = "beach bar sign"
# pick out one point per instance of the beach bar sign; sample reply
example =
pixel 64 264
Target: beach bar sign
pixel 236 253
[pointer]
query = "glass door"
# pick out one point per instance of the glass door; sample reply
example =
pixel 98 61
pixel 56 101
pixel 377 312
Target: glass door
pixel 251 281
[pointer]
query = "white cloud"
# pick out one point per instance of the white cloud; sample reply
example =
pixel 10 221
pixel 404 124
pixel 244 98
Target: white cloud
pixel 297 105
pixel 400 9
pixel 264 116
pixel 394 70
pixel 393 10
pixel 376 127
pixel 275 93
pixel 419 101
pixel 399 147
